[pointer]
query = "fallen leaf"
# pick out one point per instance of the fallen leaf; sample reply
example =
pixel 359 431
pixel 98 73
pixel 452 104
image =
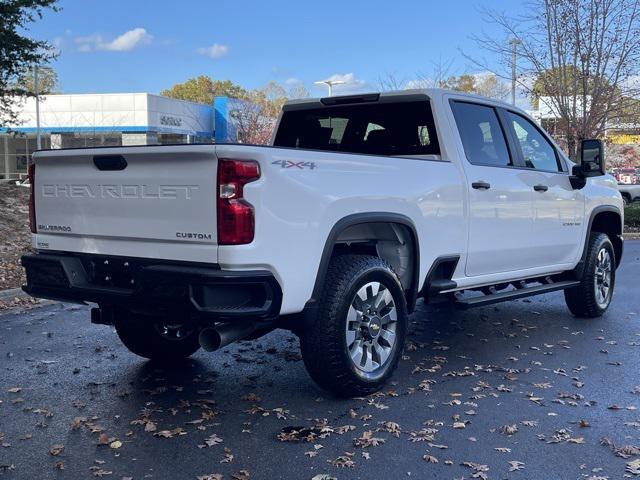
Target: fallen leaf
pixel 509 429
pixel 228 457
pixel 170 433
pixel 576 440
pixel 99 472
pixel 343 461
pixel 56 450
pixel 213 440
pixel 150 427
pixel 633 467
pixel 241 475
pixel 368 440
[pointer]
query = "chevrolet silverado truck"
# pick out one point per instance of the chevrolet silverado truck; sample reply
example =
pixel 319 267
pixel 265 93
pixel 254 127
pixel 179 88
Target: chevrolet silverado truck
pixel 360 206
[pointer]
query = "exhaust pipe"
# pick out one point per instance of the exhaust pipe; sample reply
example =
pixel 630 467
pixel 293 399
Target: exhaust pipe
pixel 212 339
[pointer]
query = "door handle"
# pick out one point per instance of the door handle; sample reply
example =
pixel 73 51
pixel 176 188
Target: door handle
pixel 540 188
pixel 481 185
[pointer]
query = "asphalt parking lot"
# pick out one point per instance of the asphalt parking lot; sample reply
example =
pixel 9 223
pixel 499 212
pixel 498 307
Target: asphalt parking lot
pixel 519 390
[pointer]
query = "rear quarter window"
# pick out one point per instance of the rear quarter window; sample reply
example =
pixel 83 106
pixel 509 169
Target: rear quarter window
pixel 392 129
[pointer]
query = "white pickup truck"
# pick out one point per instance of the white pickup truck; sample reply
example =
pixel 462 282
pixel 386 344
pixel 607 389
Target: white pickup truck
pixel 361 205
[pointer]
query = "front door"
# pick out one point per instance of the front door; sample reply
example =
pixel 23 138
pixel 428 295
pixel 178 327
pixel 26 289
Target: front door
pixel 500 201
pixel 558 209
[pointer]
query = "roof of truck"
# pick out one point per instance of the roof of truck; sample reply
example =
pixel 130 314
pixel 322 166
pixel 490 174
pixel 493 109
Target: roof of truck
pixel 431 93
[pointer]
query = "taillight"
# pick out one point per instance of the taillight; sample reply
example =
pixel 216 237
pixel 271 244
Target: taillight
pixel 32 201
pixel 236 222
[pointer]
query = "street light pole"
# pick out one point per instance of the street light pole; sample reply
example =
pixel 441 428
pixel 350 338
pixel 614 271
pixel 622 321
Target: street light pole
pixel 36 88
pixel 330 83
pixel 514 48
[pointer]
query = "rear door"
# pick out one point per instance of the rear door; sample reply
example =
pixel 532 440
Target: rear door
pixel 155 201
pixel 500 201
pixel 558 209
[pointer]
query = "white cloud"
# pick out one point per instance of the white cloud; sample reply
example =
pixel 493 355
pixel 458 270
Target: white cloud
pixel 87 44
pixel 214 51
pixel 351 83
pixel 122 43
pixel 129 40
pixel 292 81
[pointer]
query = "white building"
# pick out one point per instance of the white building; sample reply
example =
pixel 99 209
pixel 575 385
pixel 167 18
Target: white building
pixel 83 120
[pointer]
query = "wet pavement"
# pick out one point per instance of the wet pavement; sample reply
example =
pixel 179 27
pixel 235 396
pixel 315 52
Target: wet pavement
pixel 520 390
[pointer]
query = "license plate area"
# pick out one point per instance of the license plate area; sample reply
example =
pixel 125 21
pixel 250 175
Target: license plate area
pixel 111 272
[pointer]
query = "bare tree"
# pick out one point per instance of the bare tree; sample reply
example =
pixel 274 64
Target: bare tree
pixel 256 115
pixel 437 76
pixel 389 82
pixel 298 91
pixel 255 124
pixel 583 57
pixel 490 85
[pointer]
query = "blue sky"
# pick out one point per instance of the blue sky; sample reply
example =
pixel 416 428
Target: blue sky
pixel 145 46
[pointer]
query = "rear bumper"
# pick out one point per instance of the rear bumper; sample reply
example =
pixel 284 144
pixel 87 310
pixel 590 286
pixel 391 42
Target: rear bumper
pixel 205 290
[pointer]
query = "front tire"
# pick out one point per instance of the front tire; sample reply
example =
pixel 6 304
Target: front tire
pixel 592 297
pixel 353 344
pixel 156 338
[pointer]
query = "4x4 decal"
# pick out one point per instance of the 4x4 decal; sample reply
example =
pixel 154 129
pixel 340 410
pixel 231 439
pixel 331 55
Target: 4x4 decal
pixel 292 164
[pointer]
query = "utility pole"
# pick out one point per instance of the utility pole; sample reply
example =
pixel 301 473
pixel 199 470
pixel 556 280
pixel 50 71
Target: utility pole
pixel 36 88
pixel 330 83
pixel 514 49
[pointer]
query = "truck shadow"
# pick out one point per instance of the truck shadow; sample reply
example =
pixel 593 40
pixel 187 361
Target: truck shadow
pixel 254 378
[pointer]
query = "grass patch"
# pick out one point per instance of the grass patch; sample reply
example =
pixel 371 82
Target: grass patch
pixel 632 216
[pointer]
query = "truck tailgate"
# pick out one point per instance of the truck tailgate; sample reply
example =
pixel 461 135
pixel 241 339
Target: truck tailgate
pixel 137 201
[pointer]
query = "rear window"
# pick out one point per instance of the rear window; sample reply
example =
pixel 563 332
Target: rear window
pixel 401 128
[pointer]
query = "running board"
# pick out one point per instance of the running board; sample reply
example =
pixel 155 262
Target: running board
pixel 482 300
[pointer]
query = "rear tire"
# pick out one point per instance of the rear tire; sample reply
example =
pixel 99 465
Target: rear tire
pixel 592 297
pixel 353 344
pixel 156 338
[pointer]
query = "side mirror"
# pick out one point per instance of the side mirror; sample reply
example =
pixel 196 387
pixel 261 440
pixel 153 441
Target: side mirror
pixel 592 158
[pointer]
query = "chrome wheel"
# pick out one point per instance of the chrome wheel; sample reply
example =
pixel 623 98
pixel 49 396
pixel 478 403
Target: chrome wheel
pixel 371 327
pixel 602 279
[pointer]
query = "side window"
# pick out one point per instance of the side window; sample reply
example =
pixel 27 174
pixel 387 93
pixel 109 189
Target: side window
pixel 481 134
pixel 371 127
pixel 537 151
pixel 423 135
pixel 336 126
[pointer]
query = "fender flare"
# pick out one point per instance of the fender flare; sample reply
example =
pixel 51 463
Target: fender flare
pixel 594 213
pixel 357 219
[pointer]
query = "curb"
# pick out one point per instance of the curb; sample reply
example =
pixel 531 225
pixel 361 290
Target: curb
pixel 631 236
pixel 12 293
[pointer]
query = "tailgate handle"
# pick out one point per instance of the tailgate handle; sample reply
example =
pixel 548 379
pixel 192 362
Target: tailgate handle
pixel 110 162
